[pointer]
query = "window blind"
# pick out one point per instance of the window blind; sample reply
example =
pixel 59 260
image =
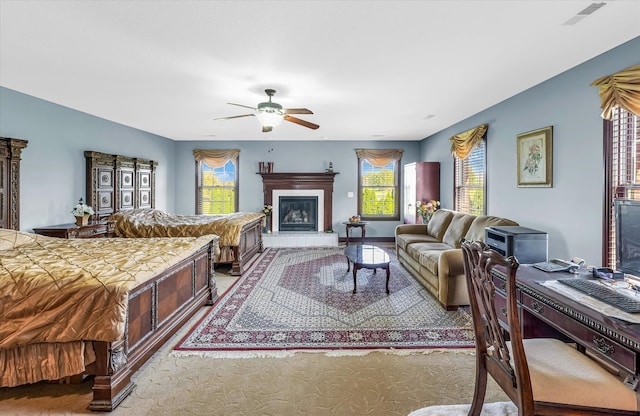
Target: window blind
pixel 623 169
pixel 469 177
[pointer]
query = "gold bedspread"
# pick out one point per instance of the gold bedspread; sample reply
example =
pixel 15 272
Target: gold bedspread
pixel 58 290
pixel 155 223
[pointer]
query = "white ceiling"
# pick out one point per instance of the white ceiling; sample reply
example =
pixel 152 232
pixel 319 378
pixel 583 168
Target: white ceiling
pixel 369 70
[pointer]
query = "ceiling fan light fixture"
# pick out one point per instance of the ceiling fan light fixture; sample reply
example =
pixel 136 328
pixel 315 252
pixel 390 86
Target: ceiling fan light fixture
pixel 269 116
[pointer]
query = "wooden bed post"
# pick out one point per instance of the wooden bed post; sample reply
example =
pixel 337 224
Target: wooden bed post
pixel 112 382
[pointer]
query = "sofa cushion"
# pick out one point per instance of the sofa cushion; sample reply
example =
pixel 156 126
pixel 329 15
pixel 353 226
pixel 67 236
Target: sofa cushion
pixel 457 229
pixel 476 230
pixel 427 254
pixel 439 222
pixel 403 240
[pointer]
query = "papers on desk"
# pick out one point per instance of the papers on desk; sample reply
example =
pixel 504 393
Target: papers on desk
pixel 591 302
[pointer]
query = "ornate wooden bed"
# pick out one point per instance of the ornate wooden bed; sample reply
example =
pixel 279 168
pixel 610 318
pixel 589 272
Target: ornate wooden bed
pixel 101 307
pixel 120 184
pixel 152 304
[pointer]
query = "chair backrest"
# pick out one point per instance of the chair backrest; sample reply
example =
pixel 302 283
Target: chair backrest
pixel 505 362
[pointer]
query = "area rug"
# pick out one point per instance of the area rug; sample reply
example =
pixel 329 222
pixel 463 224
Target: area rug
pixel 293 299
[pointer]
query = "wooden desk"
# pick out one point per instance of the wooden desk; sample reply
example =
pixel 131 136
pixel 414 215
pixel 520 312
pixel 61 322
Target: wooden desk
pixel 546 313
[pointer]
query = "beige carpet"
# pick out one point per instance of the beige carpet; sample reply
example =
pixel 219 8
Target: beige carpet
pixel 303 384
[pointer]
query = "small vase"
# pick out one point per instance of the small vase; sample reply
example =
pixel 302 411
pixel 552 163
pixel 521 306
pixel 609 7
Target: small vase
pixel 266 224
pixel 82 220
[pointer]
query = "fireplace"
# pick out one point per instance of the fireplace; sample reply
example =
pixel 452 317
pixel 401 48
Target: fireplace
pixel 298 213
pixel 307 185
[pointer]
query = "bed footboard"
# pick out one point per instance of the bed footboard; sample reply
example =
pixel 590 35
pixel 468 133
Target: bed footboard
pixel 250 244
pixel 156 309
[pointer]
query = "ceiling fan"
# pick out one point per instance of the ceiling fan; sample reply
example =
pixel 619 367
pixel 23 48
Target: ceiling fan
pixel 270 114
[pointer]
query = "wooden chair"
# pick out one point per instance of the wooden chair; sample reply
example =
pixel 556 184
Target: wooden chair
pixel 541 376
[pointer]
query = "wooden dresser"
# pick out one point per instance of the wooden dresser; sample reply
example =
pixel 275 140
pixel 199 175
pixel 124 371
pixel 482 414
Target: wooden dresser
pixel 10 152
pixel 96 229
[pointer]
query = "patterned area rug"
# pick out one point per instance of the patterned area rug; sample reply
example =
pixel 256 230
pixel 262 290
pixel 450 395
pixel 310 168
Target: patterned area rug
pixel 301 299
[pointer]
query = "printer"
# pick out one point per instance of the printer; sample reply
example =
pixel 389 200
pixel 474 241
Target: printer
pixel 526 245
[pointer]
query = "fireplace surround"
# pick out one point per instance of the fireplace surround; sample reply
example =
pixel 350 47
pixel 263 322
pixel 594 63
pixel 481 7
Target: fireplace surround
pixel 297 213
pixel 313 184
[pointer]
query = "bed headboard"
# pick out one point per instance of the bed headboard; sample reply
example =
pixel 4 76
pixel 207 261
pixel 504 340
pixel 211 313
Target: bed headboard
pixel 119 183
pixel 10 152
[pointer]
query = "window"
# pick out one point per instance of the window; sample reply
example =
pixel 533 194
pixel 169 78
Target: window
pixel 378 183
pixel 216 181
pixel 469 181
pixel 622 170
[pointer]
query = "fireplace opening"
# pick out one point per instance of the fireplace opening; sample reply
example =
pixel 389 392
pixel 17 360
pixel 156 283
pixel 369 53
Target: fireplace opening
pixel 298 213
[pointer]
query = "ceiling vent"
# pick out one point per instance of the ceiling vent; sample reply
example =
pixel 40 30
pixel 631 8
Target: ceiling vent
pixel 584 13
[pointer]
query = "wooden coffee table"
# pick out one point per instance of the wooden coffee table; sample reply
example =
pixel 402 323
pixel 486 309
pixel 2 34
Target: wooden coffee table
pixel 367 257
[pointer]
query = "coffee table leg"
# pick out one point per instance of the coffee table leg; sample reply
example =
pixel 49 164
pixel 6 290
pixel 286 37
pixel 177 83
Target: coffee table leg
pixel 355 271
pixel 388 272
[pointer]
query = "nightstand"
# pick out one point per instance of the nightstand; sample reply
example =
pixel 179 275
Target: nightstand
pixel 95 229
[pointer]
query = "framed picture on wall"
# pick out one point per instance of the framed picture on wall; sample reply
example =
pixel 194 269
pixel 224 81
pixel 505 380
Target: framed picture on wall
pixel 535 158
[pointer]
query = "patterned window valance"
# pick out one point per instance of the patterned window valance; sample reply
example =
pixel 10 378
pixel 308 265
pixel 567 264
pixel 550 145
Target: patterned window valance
pixel 621 89
pixel 216 158
pixel 379 157
pixel 463 143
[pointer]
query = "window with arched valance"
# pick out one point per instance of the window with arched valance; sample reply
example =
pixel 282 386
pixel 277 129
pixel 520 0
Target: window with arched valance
pixel 620 103
pixel 469 164
pixel 216 180
pixel 379 183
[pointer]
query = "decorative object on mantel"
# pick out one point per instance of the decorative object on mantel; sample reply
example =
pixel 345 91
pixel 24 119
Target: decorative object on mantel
pixel 267 210
pixel 82 212
pixel 426 209
pixel 265 167
pixel 330 168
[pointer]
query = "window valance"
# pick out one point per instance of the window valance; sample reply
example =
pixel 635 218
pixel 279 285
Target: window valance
pixel 621 89
pixel 216 158
pixel 379 157
pixel 463 143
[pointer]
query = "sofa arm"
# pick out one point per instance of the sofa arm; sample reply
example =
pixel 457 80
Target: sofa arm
pixel 411 229
pixel 452 289
pixel 451 263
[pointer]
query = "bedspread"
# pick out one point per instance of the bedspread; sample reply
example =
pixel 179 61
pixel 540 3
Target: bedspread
pixel 58 290
pixel 156 223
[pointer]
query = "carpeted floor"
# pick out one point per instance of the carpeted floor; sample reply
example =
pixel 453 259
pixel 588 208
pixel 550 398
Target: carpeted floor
pixel 308 383
pixel 301 298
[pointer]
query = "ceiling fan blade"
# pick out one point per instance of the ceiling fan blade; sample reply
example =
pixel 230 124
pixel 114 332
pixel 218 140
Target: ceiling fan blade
pixel 301 122
pixel 241 105
pixel 229 118
pixel 297 111
pixel 267 129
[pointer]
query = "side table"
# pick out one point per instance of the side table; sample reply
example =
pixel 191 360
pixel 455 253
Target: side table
pixel 95 229
pixel 360 224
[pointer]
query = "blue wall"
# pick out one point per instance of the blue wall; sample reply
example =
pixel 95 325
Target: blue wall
pixel 53 164
pixel 571 211
pixel 289 156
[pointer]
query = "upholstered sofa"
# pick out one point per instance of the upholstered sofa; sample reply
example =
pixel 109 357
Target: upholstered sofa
pixel 432 253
